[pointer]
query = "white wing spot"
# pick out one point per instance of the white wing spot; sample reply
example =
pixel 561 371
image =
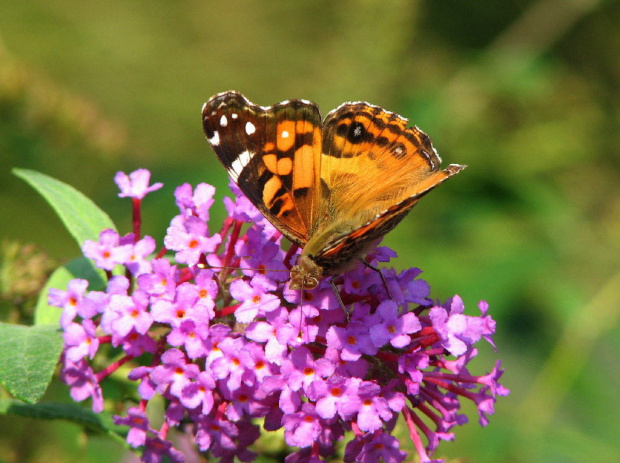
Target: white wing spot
pixel 234 115
pixel 223 121
pixel 284 134
pixel 249 128
pixel 239 164
pixel 430 159
pixel 215 139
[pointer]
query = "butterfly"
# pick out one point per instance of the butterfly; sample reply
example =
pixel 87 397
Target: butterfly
pixel 333 187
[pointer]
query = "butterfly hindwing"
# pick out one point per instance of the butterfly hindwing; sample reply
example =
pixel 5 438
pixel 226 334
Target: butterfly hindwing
pixel 348 245
pixel 273 154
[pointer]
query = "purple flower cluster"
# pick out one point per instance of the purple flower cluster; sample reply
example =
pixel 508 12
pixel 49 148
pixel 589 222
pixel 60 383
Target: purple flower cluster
pixel 210 325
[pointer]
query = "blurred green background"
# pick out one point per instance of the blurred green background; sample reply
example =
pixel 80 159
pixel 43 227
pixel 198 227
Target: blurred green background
pixel 526 92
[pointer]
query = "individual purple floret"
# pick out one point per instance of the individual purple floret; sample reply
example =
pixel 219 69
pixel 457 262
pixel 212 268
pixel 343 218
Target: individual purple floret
pixel 136 184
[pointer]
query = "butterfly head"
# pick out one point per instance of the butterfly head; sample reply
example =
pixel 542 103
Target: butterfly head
pixel 306 274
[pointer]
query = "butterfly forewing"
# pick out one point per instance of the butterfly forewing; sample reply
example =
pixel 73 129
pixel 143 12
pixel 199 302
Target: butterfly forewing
pixel 273 154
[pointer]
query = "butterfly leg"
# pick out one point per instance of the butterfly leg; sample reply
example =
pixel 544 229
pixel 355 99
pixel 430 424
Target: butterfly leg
pixel 337 293
pixel 372 267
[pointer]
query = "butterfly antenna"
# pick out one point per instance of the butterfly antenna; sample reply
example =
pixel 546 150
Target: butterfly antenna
pixel 302 315
pixel 378 270
pixel 222 276
pixel 223 267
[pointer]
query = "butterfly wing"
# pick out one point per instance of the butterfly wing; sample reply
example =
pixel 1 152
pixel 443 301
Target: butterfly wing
pixel 342 248
pixel 375 169
pixel 273 154
pixel 373 161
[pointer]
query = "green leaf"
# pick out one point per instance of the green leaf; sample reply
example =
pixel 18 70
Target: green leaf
pixel 28 356
pixel 77 268
pixel 53 411
pixel 90 421
pixel 81 216
pixel 84 220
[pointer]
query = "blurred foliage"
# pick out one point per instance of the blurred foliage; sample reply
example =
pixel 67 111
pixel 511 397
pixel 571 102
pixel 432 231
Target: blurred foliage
pixel 24 270
pixel 527 93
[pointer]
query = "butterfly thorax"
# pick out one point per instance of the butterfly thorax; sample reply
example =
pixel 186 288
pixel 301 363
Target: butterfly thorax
pixel 329 253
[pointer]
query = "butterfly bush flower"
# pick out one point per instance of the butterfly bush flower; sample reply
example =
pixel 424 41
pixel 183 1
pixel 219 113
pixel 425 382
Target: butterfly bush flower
pixel 226 348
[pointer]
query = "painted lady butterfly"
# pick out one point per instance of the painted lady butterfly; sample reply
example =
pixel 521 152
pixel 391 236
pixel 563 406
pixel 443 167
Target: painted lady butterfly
pixel 332 187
